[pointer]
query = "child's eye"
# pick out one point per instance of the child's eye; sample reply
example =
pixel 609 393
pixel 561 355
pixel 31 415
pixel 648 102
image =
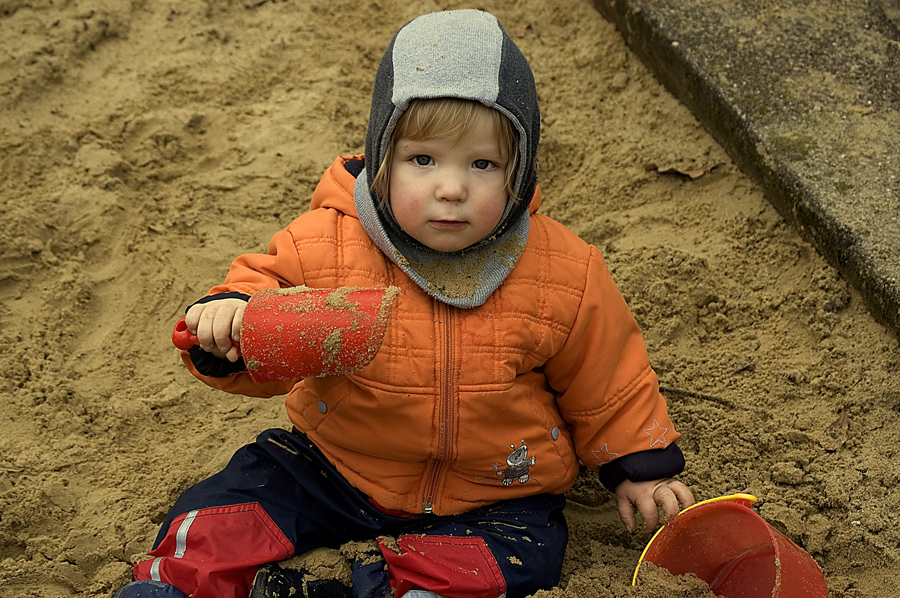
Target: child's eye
pixel 482 164
pixel 422 160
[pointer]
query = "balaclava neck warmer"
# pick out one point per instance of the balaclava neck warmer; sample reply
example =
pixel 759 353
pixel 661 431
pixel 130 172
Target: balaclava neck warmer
pixel 462 54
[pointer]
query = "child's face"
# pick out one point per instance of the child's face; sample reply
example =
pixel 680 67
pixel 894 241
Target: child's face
pixel 449 193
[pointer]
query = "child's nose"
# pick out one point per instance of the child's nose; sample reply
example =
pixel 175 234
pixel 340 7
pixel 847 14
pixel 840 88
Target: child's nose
pixel 451 187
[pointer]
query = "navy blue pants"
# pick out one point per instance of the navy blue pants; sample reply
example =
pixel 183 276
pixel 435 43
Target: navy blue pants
pixel 279 496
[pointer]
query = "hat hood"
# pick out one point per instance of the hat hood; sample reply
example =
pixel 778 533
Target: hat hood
pixel 463 54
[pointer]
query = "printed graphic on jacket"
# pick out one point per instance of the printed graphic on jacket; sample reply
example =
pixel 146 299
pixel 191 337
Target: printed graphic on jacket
pixel 604 456
pixel 657 434
pixel 518 463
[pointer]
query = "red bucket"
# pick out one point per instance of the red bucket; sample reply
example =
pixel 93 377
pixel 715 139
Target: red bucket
pixel 735 551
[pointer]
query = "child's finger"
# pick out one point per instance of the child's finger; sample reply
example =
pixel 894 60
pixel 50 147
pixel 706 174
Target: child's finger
pixel 233 354
pixel 236 323
pixel 682 493
pixel 665 497
pixel 204 327
pixel 626 512
pixel 650 512
pixel 192 317
pixel 222 325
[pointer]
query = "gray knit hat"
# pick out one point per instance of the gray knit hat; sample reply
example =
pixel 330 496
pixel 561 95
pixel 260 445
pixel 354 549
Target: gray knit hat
pixel 462 54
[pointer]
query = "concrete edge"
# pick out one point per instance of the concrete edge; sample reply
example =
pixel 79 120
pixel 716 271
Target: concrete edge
pixel 796 201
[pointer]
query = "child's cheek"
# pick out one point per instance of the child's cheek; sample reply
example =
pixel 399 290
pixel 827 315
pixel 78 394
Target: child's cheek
pixel 491 211
pixel 406 209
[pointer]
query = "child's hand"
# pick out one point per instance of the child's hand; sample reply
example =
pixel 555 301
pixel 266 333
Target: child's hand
pixel 215 324
pixel 648 497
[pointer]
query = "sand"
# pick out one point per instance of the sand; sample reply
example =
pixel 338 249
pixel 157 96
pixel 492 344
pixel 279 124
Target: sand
pixel 144 145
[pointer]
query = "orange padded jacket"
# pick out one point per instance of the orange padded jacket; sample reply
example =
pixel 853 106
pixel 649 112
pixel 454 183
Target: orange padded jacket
pixel 465 407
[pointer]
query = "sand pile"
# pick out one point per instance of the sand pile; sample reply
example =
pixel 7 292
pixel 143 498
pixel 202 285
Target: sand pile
pixel 143 145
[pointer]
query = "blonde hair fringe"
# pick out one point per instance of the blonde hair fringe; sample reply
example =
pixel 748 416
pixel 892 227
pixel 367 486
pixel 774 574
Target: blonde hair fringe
pixel 446 117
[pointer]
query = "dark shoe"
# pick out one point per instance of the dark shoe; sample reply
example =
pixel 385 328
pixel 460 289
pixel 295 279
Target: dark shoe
pixel 272 581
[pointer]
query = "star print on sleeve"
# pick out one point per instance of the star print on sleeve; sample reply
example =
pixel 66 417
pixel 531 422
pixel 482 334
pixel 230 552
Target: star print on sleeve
pixel 603 455
pixel 657 434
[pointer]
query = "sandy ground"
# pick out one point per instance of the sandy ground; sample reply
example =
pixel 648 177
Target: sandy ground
pixel 145 144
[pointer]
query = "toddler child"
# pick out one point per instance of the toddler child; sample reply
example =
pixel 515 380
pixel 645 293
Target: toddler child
pixel 510 359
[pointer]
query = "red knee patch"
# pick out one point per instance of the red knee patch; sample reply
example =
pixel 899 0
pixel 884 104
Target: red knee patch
pixel 454 567
pixel 215 552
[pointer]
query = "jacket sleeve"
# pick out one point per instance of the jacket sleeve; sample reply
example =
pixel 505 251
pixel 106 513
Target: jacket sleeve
pixel 643 466
pixel 278 268
pixel 608 393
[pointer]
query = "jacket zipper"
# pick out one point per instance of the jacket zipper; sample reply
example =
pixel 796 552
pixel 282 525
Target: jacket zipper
pixel 445 413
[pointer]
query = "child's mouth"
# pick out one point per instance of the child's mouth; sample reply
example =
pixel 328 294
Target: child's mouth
pixel 448 224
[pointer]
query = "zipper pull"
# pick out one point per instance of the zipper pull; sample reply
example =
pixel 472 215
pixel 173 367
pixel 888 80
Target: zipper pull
pixel 426 508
